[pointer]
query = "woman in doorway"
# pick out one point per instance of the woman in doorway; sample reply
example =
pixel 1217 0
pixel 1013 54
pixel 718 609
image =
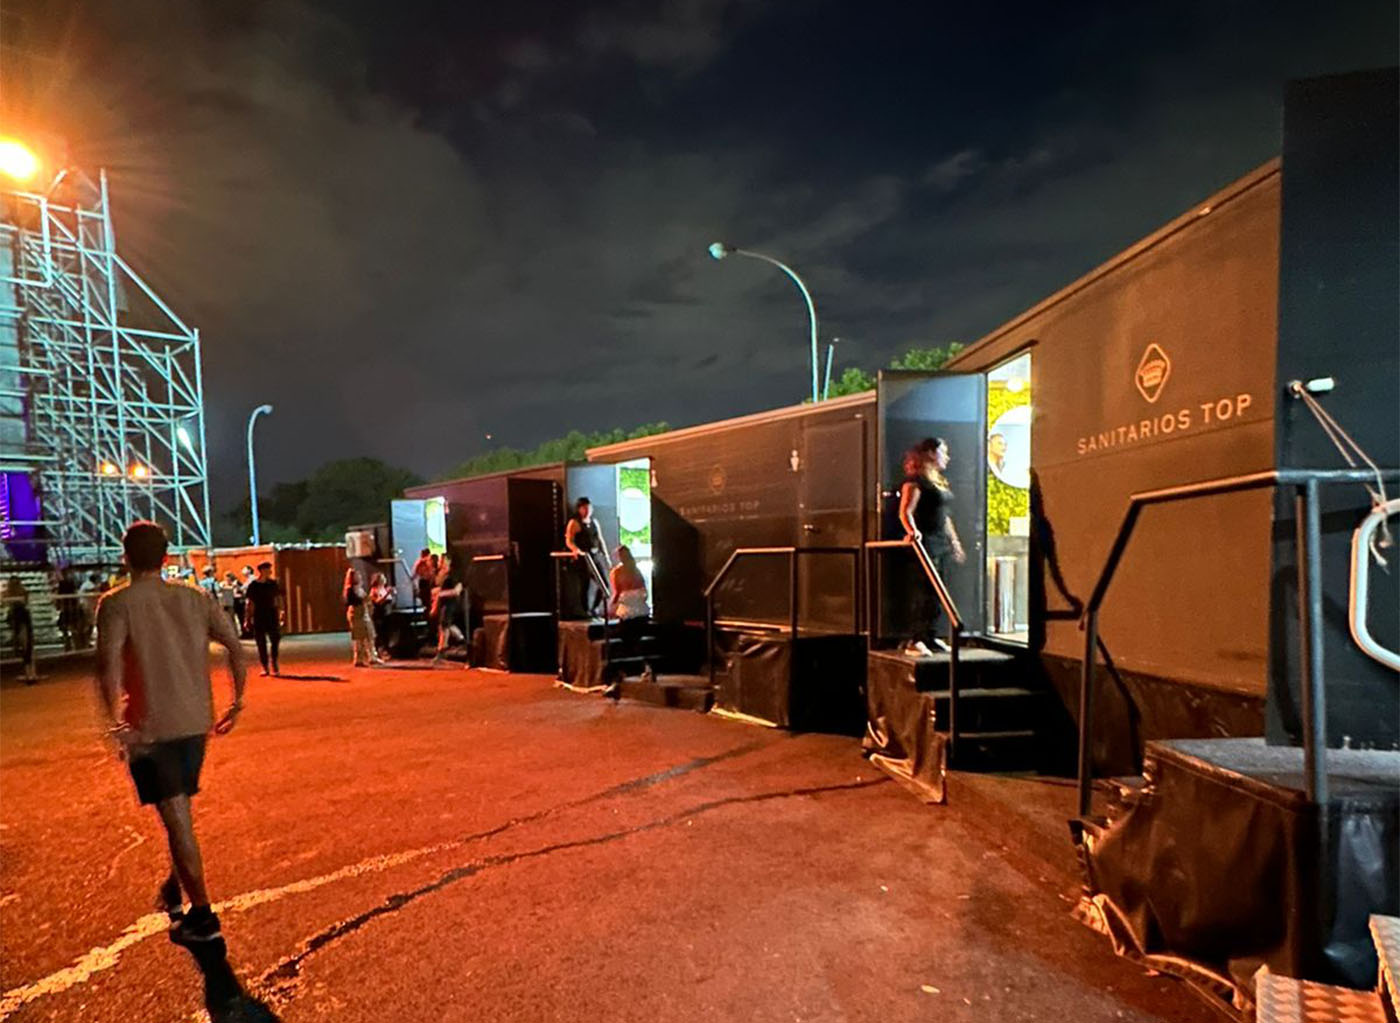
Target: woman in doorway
pixel 924 497
pixel 629 603
pixel 447 608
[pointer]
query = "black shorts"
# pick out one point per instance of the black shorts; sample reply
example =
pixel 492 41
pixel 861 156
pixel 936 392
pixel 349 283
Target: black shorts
pixel 165 769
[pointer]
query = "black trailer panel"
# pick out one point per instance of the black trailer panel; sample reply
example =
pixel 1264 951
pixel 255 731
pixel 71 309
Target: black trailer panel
pixel 795 477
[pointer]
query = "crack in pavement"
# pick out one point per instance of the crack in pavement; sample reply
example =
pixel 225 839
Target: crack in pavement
pixel 279 983
pixel 106 957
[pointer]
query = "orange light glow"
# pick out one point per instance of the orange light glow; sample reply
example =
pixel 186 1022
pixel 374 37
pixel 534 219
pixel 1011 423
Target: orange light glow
pixel 17 160
pixel 139 471
pixel 109 469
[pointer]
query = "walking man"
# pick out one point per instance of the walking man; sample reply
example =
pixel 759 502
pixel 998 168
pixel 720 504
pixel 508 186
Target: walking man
pixel 153 675
pixel 263 607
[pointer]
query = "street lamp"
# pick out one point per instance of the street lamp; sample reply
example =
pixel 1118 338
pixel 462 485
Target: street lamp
pixel 252 468
pixel 719 250
pixel 17 161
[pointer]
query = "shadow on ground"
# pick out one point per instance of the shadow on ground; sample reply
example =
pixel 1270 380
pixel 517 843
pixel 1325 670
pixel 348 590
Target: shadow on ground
pixel 224 996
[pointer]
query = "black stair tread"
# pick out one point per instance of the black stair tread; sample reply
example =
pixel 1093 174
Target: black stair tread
pixel 1010 733
pixel 966 655
pixel 985 693
pixel 675 681
pixel 663 693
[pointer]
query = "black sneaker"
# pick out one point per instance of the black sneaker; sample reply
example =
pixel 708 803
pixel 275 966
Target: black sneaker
pixel 168 900
pixel 197 927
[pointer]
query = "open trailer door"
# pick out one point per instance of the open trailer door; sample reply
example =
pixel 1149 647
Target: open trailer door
pixel 953 408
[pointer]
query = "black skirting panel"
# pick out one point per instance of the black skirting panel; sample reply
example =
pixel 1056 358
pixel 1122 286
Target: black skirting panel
pixel 518 642
pixel 1220 864
pixel 580 654
pixel 900 737
pixel 810 684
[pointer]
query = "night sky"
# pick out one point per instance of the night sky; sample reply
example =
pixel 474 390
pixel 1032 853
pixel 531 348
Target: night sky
pixel 407 225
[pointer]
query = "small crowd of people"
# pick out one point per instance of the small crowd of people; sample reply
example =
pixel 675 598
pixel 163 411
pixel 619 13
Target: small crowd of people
pixel 76 606
pixel 441 591
pixel 366 609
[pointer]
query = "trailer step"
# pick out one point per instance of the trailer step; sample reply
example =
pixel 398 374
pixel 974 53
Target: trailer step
pixel 1280 999
pixel 681 691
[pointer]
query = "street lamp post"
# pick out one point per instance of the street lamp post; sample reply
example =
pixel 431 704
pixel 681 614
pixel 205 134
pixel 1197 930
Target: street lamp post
pixel 719 250
pixel 252 469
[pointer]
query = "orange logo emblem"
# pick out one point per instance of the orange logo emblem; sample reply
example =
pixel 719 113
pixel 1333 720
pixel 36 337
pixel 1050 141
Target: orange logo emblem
pixel 1153 370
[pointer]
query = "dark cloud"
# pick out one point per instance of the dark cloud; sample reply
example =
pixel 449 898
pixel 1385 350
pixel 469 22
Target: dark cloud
pixel 408 227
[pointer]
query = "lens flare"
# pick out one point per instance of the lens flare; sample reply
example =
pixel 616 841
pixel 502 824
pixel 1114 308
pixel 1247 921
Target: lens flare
pixel 17 161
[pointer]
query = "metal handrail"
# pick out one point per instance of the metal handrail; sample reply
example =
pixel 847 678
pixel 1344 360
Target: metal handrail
pixel 1309 538
pixel 794 555
pixel 955 624
pixel 570 555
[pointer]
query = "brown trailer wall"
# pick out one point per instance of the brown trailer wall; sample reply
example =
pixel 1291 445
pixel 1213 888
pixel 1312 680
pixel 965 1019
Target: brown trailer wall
pixel 311 579
pixel 1190 602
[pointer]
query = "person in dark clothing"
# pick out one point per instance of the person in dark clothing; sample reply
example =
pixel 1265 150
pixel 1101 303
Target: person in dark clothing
pixel 924 498
pixel 585 540
pixel 69 613
pixel 425 572
pixel 263 610
pixel 21 625
pixel 447 608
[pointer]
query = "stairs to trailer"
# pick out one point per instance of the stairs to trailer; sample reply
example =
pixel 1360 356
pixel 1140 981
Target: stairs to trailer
pixel 999 717
pixel 1004 723
pixel 1280 999
pixel 640 661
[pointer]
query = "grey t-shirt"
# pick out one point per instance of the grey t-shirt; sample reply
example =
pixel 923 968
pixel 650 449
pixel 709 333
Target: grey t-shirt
pixel 154 636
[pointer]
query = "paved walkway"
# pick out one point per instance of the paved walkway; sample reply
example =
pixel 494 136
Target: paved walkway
pixel 441 845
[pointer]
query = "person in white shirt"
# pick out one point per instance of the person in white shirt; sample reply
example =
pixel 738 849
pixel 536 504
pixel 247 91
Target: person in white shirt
pixel 153 678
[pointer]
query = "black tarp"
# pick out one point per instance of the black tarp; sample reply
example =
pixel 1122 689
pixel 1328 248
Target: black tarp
pixel 900 735
pixel 580 655
pixel 1219 864
pixel 519 642
pixel 811 684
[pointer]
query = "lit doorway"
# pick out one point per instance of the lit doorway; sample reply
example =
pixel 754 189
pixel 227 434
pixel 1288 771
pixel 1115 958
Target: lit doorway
pixel 634 512
pixel 1008 454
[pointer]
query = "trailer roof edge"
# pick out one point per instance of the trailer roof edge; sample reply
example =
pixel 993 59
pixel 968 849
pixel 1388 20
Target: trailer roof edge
pixel 414 492
pixel 611 452
pixel 1234 190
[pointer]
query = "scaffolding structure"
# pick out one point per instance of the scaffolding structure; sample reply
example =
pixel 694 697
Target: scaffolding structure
pixel 101 393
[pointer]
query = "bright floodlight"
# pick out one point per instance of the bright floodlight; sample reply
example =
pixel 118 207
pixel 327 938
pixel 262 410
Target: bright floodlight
pixel 109 469
pixel 139 471
pixel 719 250
pixel 185 438
pixel 17 160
